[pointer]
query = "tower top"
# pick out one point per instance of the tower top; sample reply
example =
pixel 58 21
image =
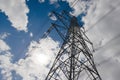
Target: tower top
pixel 74 22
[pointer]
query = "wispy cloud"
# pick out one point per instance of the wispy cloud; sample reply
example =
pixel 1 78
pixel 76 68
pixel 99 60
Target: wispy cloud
pixel 4 35
pixel 41 1
pixel 3 44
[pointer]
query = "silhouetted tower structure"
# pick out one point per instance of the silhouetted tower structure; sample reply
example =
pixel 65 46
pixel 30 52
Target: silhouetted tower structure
pixel 74 60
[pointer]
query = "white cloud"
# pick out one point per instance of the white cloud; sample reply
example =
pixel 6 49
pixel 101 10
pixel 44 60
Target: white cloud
pixel 6 65
pixel 80 6
pixel 52 16
pixel 4 46
pixel 108 59
pixel 5 57
pixel 53 1
pixel 108 27
pixel 41 1
pixel 35 64
pixel 16 10
pixel 4 35
pixel 31 34
pixel 50 46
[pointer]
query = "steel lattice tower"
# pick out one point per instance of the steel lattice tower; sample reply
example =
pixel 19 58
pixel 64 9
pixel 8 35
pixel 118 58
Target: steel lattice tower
pixel 74 60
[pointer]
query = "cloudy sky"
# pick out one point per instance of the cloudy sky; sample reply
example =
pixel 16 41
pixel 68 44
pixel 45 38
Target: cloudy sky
pixel 25 56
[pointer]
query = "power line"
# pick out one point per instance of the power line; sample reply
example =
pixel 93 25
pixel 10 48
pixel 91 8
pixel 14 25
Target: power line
pixel 72 67
pixel 106 60
pixel 44 24
pixel 73 4
pixel 104 16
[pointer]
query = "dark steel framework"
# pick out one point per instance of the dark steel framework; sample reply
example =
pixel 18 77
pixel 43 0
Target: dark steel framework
pixel 74 60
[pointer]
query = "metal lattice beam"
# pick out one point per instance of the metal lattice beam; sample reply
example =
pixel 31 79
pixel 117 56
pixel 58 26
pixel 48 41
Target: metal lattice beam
pixel 74 61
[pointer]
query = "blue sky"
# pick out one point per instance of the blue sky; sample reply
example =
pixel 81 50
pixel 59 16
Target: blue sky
pixel 39 22
pixel 24 55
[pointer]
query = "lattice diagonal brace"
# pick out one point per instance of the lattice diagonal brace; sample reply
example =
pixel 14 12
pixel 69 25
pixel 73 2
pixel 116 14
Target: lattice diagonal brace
pixel 74 60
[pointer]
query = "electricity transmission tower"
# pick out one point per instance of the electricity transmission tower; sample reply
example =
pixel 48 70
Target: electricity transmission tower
pixel 74 60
